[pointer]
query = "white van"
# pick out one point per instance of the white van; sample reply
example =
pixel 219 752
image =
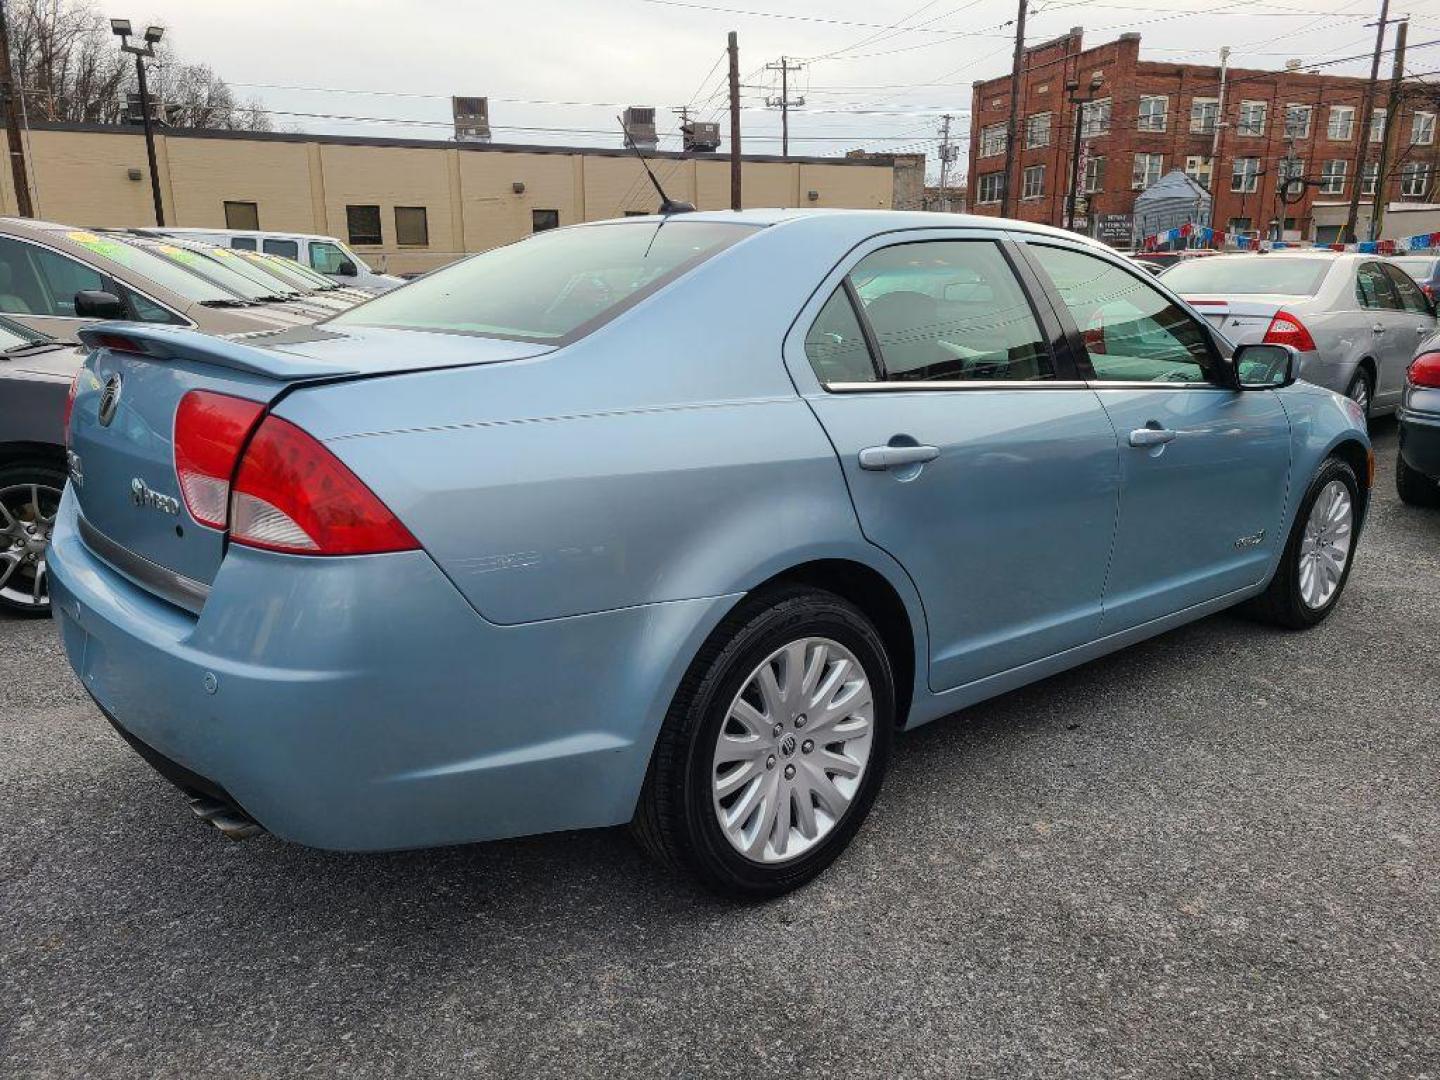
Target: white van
pixel 325 254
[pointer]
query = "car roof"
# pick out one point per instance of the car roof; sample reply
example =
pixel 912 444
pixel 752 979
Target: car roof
pixel 220 230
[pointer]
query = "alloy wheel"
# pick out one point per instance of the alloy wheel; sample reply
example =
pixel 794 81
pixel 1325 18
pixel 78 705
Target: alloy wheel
pixel 27 518
pixel 1325 544
pixel 1360 393
pixel 793 749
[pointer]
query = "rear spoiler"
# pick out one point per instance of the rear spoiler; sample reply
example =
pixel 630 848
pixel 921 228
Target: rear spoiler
pixel 178 343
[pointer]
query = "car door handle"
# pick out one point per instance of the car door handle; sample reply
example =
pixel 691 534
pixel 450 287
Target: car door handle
pixel 878 458
pixel 1149 436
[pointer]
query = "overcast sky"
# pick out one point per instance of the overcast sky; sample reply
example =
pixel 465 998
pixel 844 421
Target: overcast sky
pixel 877 74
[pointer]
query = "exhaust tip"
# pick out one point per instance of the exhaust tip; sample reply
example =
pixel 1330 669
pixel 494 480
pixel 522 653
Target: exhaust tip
pixel 228 818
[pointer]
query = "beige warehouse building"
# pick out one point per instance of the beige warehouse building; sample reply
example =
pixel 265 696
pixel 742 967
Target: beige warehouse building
pixel 406 205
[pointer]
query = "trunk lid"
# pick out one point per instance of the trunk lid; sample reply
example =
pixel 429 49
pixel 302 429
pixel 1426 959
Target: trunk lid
pixel 122 464
pixel 1241 318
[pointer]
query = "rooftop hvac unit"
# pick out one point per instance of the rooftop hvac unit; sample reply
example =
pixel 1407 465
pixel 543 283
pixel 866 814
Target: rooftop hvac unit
pixel 640 125
pixel 1294 65
pixel 699 137
pixel 472 118
pixel 134 114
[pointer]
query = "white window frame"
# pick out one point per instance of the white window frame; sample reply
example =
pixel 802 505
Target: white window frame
pixel 1199 108
pixel 1092 181
pixel 1368 177
pixel 998 178
pixel 1032 172
pixel 1253 126
pixel 1146 118
pixel 1287 168
pixel 1139 181
pixel 1198 167
pixel 1414 179
pixel 1294 110
pixel 1095 117
pixel 1422 129
pixel 1031 123
pixel 1377 125
pixel 1340 127
pixel 1332 179
pixel 1249 177
pixel 992 141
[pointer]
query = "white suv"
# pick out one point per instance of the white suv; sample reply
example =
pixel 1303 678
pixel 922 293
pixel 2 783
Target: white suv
pixel 325 254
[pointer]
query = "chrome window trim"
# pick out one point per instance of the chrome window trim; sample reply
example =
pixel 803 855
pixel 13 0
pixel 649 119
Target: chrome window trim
pixel 176 588
pixel 893 386
pixel 185 320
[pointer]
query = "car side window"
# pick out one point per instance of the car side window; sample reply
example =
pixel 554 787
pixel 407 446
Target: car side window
pixel 36 281
pixel 1132 331
pixel 1411 298
pixel 288 248
pixel 244 243
pixel 145 310
pixel 950 310
pixel 1374 290
pixel 325 257
pixel 836 345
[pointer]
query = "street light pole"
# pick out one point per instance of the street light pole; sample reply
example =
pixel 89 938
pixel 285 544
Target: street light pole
pixel 121 29
pixel 1096 81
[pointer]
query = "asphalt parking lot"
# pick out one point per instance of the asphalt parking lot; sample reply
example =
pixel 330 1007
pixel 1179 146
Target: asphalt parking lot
pixel 1214 854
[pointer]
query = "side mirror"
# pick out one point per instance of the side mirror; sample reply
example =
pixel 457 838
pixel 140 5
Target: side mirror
pixel 94 304
pixel 1265 367
pixel 346 269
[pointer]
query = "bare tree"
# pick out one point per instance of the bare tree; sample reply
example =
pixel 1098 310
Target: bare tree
pixel 71 71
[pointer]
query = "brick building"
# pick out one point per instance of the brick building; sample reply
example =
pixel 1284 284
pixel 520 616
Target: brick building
pixel 1148 118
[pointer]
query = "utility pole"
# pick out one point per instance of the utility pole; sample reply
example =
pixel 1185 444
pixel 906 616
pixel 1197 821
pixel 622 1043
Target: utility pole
pixel 734 121
pixel 1011 128
pixel 1219 117
pixel 1392 116
pixel 783 102
pixel 12 121
pixel 1367 107
pixel 947 155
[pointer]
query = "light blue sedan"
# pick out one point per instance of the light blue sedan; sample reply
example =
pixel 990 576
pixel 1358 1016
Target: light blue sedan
pixel 670 522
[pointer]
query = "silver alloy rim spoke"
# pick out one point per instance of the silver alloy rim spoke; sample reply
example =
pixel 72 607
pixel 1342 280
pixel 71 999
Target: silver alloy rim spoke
pixel 27 518
pixel 1325 544
pixel 792 750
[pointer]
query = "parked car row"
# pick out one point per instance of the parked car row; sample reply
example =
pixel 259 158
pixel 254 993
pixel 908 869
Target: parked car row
pixel 56 279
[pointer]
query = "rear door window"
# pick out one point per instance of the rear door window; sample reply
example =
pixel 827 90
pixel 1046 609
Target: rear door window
pixel 950 310
pixel 289 248
pixel 1374 290
pixel 1411 298
pixel 244 243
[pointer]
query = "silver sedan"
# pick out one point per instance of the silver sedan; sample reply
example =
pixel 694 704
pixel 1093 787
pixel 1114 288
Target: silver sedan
pixel 1355 319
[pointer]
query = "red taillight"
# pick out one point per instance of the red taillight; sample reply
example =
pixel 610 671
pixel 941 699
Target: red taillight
pixel 210 431
pixel 1427 289
pixel 292 494
pixel 1286 329
pixel 70 406
pixel 1425 371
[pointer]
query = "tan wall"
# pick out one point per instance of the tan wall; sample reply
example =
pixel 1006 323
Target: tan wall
pixel 81 178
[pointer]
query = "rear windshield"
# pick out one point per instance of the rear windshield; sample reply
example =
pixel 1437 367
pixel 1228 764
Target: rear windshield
pixel 1420 269
pixel 1248 275
pixel 557 285
pixel 149 265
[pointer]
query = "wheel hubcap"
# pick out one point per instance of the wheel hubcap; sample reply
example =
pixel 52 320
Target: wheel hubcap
pixel 771 814
pixel 27 517
pixel 1325 544
pixel 1360 394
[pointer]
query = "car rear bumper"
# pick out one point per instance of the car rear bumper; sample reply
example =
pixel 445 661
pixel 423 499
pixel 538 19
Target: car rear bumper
pixel 1420 439
pixel 362 704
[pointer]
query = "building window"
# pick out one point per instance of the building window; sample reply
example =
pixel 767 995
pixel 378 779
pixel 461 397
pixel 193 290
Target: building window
pixel 1252 118
pixel 1034 182
pixel 363 224
pixel 541 220
pixel 1332 177
pixel 411 227
pixel 1095 117
pixel 1204 112
pixel 992 140
pixel 1245 175
pixel 1297 121
pixel 1197 168
pixel 1094 180
pixel 1377 125
pixel 1368 176
pixel 1240 225
pixel 1147 170
pixel 1153 108
pixel 1414 179
pixel 1289 168
pixel 1341 126
pixel 990 188
pixel 1037 130
pixel 1422 129
pixel 242 215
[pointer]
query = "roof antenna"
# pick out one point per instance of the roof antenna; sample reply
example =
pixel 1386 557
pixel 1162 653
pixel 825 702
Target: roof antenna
pixel 667 205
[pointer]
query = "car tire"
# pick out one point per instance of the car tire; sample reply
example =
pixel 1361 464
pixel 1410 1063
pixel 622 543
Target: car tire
pixel 694 809
pixel 1361 382
pixel 1287 601
pixel 1414 487
pixel 23 532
